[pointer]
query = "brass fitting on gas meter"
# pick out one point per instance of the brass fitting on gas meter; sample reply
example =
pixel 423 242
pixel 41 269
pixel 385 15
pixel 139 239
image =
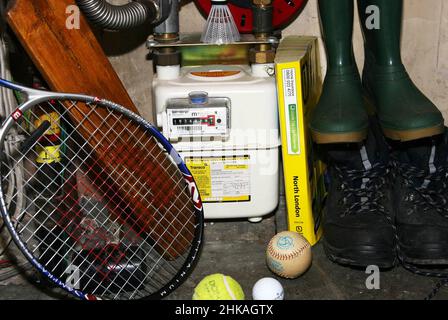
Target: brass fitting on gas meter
pixel 262 53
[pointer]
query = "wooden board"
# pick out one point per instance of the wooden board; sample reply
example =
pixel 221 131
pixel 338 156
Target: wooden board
pixel 71 60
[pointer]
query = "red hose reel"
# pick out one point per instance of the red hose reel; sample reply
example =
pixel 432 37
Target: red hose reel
pixel 285 11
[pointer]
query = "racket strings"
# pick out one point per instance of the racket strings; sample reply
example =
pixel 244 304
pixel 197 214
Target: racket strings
pixel 165 163
pixel 120 181
pixel 159 278
pixel 169 165
pixel 113 258
pixel 165 159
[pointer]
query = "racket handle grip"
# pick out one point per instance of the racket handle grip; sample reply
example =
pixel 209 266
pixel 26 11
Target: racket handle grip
pixel 39 132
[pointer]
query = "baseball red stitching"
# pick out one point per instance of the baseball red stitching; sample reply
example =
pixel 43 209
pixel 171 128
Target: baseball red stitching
pixel 288 256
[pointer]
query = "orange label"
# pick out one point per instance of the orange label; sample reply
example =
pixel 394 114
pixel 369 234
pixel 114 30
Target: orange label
pixel 215 74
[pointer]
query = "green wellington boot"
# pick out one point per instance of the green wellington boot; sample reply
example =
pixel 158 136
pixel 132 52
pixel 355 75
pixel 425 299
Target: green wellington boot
pixel 340 115
pixel 404 112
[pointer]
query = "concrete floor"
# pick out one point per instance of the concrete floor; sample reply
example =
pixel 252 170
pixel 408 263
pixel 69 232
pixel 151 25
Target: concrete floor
pixel 237 248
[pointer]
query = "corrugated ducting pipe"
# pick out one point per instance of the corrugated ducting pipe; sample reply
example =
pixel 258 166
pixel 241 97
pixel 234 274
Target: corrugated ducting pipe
pixel 118 17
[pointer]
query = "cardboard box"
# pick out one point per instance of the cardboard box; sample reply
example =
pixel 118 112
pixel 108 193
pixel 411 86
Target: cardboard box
pixel 299 84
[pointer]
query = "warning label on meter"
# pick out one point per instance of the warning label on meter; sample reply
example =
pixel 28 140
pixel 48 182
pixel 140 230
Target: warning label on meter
pixel 221 179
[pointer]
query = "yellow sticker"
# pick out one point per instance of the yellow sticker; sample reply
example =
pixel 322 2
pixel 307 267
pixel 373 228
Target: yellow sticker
pixel 55 123
pixel 48 154
pixel 221 179
pixel 236 167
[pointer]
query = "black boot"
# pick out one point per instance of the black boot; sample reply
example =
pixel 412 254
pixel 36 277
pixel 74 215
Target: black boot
pixel 358 219
pixel 421 198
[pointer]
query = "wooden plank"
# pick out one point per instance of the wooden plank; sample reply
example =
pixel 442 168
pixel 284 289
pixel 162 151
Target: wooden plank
pixel 71 60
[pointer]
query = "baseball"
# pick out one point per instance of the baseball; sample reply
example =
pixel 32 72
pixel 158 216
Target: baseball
pixel 268 289
pixel 288 254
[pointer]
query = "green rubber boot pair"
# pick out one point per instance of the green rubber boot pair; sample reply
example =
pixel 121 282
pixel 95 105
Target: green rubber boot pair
pixel 341 116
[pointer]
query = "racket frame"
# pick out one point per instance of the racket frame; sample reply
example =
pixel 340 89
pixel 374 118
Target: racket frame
pixel 34 97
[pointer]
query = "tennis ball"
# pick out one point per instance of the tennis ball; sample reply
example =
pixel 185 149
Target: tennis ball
pixel 218 287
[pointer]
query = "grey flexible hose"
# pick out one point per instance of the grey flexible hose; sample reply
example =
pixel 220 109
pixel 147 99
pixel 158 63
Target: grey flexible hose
pixel 117 17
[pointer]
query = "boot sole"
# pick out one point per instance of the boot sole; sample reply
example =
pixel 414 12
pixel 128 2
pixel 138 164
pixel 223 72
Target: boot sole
pixel 410 135
pixel 362 256
pixel 431 255
pixel 346 137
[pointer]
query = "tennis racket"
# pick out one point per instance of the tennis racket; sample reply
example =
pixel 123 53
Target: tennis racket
pixel 110 211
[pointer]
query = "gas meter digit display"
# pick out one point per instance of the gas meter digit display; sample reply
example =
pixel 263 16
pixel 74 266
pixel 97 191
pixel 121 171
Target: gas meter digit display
pixel 198 121
pixel 209 121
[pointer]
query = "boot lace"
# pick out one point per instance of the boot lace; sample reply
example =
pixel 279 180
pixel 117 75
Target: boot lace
pixel 363 190
pixel 432 187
